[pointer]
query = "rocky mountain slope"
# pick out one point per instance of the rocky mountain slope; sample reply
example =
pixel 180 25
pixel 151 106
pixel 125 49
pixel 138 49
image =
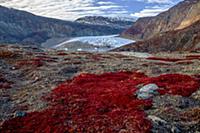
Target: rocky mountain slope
pixel 23 27
pixel 187 39
pixel 178 17
pixel 123 23
pixel 175 30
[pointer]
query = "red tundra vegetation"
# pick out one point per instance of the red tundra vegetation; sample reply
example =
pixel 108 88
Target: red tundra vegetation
pixel 164 59
pixel 4 83
pixel 62 54
pixel 187 58
pixel 46 58
pixel 100 103
pixel 37 62
pixel 193 57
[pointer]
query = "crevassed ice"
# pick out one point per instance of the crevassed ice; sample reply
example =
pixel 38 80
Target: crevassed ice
pixel 110 40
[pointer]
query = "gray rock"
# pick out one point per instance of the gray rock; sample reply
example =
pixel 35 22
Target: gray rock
pixel 196 95
pixel 162 126
pixel 20 114
pixel 147 91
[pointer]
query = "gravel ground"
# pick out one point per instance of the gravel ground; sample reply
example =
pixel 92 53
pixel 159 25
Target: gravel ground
pixel 27 74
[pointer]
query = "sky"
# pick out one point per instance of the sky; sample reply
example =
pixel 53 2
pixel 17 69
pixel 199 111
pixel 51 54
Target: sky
pixel 73 9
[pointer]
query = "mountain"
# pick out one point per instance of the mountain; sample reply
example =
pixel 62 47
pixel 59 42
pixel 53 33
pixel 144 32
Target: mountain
pixel 113 22
pixel 22 27
pixel 187 39
pixel 178 29
pixel 178 17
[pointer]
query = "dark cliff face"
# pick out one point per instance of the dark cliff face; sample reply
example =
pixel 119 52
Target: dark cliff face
pixel 187 39
pixel 178 17
pixel 22 27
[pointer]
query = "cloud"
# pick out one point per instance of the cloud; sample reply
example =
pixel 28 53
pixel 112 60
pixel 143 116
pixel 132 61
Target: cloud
pixel 157 1
pixel 66 9
pixel 150 11
pixel 73 9
pixel 158 7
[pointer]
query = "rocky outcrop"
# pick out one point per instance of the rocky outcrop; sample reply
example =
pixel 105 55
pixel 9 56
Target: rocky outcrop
pixel 187 39
pixel 178 17
pixel 22 27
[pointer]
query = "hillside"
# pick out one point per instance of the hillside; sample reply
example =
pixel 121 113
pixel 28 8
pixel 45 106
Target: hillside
pixel 178 17
pixel 22 27
pixel 187 39
pixel 177 29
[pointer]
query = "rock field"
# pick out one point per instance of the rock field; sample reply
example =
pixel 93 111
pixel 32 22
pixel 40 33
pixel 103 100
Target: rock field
pixel 34 81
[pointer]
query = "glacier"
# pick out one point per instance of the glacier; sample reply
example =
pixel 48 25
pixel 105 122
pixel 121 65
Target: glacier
pixel 97 43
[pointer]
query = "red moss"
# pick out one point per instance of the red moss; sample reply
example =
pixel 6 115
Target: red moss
pixel 28 53
pixel 90 103
pixel 40 53
pixel 193 57
pixel 82 53
pixel 161 63
pixel 119 56
pixel 175 84
pixel 73 62
pixel 47 58
pixel 187 58
pixel 76 63
pixel 185 62
pixel 67 59
pixel 4 83
pixel 62 54
pixel 96 57
pixel 32 62
pixel 128 59
pixel 165 59
pixel 100 103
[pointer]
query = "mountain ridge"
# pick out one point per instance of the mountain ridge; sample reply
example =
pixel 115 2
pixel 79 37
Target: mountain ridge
pixel 187 39
pixel 123 23
pixel 184 35
pixel 178 17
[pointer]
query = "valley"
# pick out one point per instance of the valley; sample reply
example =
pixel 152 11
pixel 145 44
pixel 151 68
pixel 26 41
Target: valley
pixel 21 27
pixel 100 74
